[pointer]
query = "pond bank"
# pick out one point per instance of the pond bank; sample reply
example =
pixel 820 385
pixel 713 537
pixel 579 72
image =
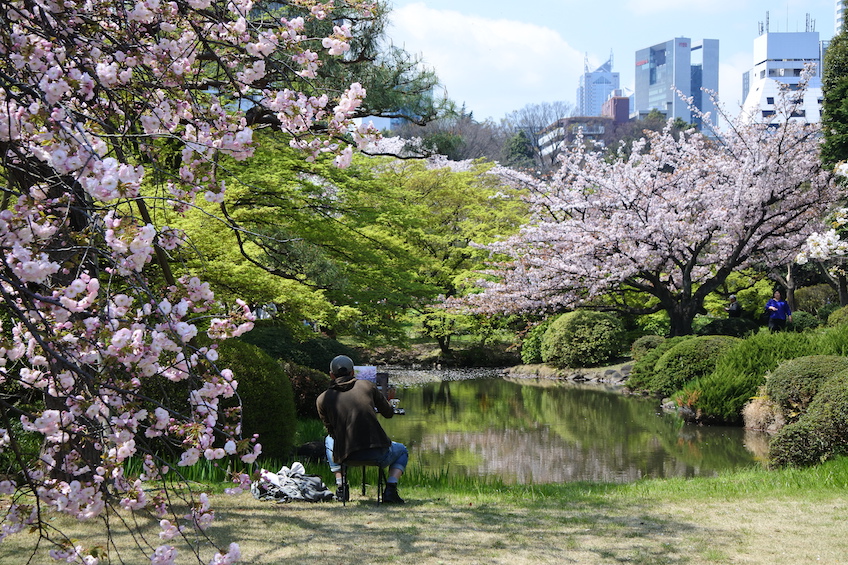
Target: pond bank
pixel 612 374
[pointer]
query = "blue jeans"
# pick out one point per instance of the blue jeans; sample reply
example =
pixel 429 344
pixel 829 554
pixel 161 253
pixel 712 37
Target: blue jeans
pixel 395 457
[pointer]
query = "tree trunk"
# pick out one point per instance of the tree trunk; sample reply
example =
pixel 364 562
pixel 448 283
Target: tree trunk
pixel 681 315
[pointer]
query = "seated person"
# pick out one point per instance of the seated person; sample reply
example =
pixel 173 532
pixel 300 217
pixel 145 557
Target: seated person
pixel 349 410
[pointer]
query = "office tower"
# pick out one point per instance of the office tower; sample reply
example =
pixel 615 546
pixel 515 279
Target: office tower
pixel 840 15
pixel 676 65
pixel 595 87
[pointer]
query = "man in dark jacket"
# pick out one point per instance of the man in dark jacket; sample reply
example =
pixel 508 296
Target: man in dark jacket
pixel 349 410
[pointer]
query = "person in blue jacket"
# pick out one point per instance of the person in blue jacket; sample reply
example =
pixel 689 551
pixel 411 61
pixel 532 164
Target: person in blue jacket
pixel 778 312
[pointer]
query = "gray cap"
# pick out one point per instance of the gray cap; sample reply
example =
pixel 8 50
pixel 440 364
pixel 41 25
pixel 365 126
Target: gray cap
pixel 732 297
pixel 341 366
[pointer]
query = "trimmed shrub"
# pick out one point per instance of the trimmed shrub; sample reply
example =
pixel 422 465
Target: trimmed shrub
pixel 838 317
pixel 531 346
pixel 794 383
pixel 825 311
pixel 278 341
pixel 489 355
pixel 820 433
pixel 643 345
pixel 736 327
pixel 306 384
pixel 582 338
pixel 814 298
pixel 803 321
pixel 741 370
pixel 688 360
pixel 641 375
pixel 266 395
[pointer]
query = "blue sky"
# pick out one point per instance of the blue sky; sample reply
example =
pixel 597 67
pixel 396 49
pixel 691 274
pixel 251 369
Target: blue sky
pixel 496 56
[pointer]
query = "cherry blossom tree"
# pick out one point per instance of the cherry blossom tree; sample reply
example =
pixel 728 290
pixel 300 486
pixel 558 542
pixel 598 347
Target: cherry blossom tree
pixel 671 219
pixel 828 249
pixel 101 357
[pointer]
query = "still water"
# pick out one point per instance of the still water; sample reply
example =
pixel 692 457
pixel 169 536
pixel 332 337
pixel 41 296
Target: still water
pixel 541 431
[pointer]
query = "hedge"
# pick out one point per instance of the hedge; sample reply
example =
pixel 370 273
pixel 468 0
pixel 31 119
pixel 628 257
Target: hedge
pixel 266 394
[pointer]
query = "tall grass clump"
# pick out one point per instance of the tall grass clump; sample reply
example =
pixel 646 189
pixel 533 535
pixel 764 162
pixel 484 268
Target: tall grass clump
pixel 720 396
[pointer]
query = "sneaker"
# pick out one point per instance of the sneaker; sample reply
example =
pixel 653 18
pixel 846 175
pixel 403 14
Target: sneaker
pixel 391 496
pixel 342 493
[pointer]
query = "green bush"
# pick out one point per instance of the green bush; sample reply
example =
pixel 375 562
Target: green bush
pixel 531 346
pixel 736 327
pixel 825 311
pixel 309 349
pixel 582 338
pixel 642 373
pixel 688 360
pixel 838 317
pixel 820 433
pixel 644 344
pixel 794 383
pixel 307 384
pixel 266 394
pixel 814 298
pixel 803 321
pixel 721 395
pixel 489 355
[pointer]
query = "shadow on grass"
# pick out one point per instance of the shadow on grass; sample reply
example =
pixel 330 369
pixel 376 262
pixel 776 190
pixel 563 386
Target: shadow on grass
pixel 457 531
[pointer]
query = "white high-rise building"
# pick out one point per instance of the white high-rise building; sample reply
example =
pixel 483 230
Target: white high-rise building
pixel 840 15
pixel 595 88
pixel 779 61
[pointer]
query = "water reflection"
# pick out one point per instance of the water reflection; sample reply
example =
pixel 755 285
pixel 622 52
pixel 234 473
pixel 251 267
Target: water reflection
pixel 528 433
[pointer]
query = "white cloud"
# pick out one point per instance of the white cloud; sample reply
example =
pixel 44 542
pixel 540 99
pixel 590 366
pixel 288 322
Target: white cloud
pixel 494 66
pixel 730 79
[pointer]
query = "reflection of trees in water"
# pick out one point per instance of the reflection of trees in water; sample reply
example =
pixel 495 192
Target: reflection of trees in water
pixel 553 434
pixel 437 396
pixel 539 456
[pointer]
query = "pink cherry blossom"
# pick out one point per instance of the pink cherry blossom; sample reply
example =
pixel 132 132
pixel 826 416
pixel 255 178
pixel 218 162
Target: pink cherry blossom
pixel 671 219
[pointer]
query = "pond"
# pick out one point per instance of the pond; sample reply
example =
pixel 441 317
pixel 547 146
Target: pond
pixel 544 431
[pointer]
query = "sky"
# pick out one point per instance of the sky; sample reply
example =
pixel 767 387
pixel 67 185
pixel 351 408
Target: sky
pixel 497 56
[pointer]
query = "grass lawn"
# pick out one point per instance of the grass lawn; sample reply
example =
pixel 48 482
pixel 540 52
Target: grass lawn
pixel 765 517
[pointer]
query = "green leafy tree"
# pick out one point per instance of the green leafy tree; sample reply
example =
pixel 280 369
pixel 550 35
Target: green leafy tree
pixel 446 212
pixel 835 105
pixel 518 151
pixel 312 239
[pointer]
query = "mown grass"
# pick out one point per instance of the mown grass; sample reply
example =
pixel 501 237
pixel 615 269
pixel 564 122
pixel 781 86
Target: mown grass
pixel 758 516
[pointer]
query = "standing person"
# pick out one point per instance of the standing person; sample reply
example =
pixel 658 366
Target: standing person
pixel 778 312
pixel 349 410
pixel 734 309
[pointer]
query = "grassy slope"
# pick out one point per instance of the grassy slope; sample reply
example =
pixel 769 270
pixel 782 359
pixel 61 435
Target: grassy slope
pixel 779 517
